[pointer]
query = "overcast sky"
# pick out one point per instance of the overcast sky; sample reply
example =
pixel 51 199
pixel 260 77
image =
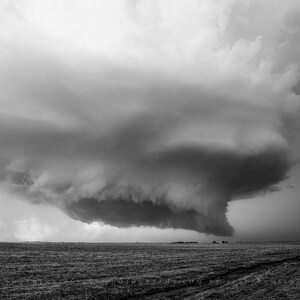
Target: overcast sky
pixel 145 120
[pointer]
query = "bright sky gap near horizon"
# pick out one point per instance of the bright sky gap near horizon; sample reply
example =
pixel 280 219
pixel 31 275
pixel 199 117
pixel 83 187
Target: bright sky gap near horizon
pixel 149 120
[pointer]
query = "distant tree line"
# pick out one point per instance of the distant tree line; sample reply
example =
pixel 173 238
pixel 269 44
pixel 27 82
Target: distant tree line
pixel 181 242
pixel 219 242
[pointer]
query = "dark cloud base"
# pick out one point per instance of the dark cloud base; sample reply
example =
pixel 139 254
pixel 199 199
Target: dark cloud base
pixel 125 213
pixel 212 176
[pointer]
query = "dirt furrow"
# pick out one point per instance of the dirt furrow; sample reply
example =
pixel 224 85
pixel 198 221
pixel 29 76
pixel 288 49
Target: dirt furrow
pixel 220 280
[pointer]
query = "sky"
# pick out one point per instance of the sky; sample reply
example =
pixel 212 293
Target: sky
pixel 149 120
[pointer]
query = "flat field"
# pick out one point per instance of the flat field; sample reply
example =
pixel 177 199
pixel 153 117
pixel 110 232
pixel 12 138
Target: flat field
pixel 149 271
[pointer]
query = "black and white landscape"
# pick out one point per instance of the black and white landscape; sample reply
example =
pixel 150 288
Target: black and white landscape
pixel 149 121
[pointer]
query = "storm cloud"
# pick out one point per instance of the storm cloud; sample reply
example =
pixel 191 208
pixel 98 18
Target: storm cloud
pixel 160 122
pixel 186 187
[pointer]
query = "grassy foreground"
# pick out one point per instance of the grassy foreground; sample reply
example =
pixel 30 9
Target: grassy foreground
pixel 149 271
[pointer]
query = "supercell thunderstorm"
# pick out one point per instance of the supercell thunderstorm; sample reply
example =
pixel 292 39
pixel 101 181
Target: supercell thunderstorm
pixel 153 127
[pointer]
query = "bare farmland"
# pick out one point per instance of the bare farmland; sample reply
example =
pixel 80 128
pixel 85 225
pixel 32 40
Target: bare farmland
pixel 149 271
